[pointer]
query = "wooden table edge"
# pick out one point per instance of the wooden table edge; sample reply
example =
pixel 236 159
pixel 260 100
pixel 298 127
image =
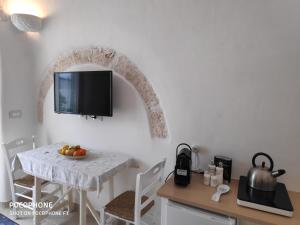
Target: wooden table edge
pixel 162 192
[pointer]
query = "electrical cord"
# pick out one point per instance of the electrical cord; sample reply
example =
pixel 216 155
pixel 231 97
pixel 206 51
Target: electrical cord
pixel 193 171
pixel 197 172
pixel 168 176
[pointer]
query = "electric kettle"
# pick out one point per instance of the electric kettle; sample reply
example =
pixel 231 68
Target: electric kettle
pixel 261 177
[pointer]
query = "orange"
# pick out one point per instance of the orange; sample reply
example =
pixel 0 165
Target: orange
pixel 82 151
pixel 77 153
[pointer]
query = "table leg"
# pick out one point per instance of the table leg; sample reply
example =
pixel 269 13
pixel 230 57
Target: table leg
pixel 163 216
pixel 36 195
pixel 82 210
pixel 70 201
pixel 111 188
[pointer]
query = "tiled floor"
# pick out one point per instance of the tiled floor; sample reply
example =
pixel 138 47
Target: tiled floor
pixel 71 219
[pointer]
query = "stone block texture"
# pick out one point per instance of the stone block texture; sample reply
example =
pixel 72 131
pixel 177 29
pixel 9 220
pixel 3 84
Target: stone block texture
pixel 110 59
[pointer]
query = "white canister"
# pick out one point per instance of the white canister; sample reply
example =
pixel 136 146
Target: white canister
pixel 206 180
pixel 219 174
pixel 214 181
pixel 211 169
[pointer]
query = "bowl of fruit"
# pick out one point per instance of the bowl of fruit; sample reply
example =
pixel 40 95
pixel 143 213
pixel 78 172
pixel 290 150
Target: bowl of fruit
pixel 73 152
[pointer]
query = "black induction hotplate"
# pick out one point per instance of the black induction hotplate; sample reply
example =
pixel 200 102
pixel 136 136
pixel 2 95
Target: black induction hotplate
pixel 277 202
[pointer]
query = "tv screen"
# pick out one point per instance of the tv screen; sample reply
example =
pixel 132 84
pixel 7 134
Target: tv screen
pixel 84 93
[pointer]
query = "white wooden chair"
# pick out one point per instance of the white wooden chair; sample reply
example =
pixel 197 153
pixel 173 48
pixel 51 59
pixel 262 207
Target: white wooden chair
pixel 132 206
pixel 23 187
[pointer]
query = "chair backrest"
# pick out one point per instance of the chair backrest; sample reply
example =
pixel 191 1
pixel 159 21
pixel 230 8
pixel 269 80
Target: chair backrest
pixel 9 147
pixel 147 183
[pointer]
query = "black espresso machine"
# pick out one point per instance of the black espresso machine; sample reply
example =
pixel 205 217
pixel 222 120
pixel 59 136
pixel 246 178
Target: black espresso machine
pixel 182 172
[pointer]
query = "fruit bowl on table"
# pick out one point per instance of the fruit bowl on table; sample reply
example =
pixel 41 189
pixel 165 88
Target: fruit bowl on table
pixel 72 152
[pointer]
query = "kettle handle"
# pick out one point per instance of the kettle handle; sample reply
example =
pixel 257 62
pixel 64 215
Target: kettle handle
pixel 182 144
pixel 266 155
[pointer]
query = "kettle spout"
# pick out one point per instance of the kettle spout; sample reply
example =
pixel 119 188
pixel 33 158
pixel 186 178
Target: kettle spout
pixel 278 173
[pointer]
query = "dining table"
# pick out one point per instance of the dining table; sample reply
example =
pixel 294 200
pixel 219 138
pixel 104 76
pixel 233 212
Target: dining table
pixel 87 174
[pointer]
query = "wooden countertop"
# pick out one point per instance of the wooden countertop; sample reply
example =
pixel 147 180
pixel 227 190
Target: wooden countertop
pixel 198 195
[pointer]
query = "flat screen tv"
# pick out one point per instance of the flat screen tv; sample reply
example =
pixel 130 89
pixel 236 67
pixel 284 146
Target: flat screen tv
pixel 83 93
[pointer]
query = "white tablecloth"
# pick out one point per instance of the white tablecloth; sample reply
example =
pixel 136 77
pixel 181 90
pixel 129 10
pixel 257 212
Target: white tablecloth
pixel 87 174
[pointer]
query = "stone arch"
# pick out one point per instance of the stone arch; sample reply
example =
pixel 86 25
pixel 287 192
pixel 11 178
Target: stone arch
pixel 117 62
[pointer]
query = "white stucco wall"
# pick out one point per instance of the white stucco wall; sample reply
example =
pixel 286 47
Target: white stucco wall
pixel 17 91
pixel 226 73
pixel 3 173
